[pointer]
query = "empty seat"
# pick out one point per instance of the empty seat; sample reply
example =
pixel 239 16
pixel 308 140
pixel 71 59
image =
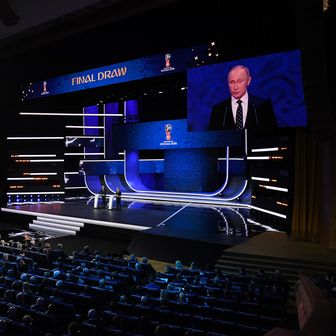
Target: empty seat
pixel 224 327
pixel 269 323
pixel 211 333
pixel 202 323
pixel 194 332
pixel 172 329
pixel 272 311
pixel 226 303
pixel 249 307
pixel 244 330
pixel 247 319
pixel 223 314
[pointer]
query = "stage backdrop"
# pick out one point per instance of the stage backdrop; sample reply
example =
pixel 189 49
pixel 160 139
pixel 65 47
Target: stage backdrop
pixel 190 158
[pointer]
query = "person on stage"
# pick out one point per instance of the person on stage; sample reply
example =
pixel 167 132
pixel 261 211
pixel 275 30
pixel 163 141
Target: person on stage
pixel 118 198
pixel 103 195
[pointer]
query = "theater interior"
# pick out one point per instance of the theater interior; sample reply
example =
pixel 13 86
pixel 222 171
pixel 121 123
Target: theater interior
pixel 221 231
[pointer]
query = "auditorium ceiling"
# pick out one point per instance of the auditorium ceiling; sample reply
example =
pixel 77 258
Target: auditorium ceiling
pixel 26 24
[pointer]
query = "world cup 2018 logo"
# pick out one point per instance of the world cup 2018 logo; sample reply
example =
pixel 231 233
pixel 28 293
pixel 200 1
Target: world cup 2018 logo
pixel 168 129
pixel 168 63
pixel 45 91
pixel 167 59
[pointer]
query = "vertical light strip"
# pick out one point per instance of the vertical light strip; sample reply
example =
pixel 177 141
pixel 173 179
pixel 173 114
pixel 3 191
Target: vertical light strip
pixel 84 124
pixel 104 111
pixel 125 111
pixel 245 142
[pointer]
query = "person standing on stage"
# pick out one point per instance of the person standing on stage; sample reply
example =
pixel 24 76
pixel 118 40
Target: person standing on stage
pixel 118 199
pixel 103 195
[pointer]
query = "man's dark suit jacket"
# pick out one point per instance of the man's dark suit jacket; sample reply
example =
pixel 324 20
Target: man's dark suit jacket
pixel 103 191
pixel 260 115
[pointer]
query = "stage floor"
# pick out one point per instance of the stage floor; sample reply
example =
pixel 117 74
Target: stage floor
pixel 159 230
pixel 227 225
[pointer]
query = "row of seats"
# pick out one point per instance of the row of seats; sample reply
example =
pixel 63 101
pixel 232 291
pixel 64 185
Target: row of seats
pixel 130 298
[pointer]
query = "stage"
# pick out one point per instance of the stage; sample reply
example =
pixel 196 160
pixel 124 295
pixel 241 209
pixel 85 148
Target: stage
pixel 159 230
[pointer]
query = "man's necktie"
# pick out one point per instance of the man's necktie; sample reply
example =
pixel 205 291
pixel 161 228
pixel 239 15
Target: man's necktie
pixel 239 116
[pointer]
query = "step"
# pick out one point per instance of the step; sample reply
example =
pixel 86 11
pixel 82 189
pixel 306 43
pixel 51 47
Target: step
pixel 235 270
pixel 257 263
pixel 51 229
pixel 54 225
pixel 274 264
pixel 277 259
pixel 60 221
pixel 295 269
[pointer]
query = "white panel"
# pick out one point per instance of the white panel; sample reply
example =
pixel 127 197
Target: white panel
pixel 54 225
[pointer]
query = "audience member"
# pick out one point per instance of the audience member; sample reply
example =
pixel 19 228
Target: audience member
pixel 39 305
pixel 77 284
pixel 73 329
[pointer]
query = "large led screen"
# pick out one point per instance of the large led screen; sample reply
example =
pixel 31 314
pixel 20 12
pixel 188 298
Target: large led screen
pixel 254 93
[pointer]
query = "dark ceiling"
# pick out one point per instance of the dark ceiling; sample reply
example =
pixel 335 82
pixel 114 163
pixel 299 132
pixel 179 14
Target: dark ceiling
pixel 84 34
pixel 68 36
pixel 25 25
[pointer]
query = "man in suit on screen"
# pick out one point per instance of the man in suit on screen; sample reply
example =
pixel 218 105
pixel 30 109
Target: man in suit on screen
pixel 242 110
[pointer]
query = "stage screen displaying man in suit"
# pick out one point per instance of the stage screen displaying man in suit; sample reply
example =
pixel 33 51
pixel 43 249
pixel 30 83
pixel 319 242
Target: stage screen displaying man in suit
pixel 255 93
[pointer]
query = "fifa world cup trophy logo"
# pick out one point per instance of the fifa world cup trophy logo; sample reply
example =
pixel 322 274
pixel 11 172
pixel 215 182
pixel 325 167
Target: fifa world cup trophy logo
pixel 167 59
pixel 44 86
pixel 168 129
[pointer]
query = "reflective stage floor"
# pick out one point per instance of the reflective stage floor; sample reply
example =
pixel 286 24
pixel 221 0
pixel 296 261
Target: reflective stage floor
pixel 159 230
